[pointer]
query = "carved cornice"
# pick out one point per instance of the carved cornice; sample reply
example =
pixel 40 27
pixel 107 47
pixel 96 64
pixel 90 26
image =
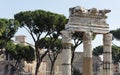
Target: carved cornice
pixel 93 12
pixel 91 20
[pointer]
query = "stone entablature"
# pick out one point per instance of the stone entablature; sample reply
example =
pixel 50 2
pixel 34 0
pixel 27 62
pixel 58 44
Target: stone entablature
pixel 92 20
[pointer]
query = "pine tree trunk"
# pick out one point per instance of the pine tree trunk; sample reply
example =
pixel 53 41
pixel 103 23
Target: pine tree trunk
pixel 37 68
pixel 51 70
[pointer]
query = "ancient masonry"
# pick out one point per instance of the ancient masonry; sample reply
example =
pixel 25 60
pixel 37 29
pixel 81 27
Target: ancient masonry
pixel 89 22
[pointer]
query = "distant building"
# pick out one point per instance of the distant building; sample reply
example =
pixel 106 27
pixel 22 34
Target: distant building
pixel 116 69
pixel 21 39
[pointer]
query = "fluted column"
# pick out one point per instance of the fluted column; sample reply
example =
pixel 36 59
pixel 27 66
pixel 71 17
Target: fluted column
pixel 107 54
pixel 87 58
pixel 66 52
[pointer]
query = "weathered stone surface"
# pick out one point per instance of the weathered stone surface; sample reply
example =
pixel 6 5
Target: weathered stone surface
pixel 66 52
pixel 87 43
pixel 91 20
pixel 6 68
pixel 66 36
pixel 107 55
pixel 93 12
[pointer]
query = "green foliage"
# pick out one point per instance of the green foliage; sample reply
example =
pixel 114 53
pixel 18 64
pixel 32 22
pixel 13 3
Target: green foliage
pixel 77 37
pixel 115 52
pixel 29 53
pixel 116 33
pixel 41 21
pixel 7 31
pixel 10 47
pixel 24 52
pixel 9 28
pixel 98 51
pixel 51 43
pixel 2 26
pixel 2 45
pixel 76 72
pixel 19 52
pixel 57 45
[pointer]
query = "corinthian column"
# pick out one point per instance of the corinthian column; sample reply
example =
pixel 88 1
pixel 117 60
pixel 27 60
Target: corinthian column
pixel 66 52
pixel 87 58
pixel 107 54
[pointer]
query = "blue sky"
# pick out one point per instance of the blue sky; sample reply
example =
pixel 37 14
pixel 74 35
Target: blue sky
pixel 10 7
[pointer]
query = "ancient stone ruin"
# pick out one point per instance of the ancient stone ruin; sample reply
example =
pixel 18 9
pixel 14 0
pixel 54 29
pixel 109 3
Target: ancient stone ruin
pixel 89 22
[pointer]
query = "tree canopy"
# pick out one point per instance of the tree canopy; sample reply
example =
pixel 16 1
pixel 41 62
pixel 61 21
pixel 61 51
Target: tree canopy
pixel 8 29
pixel 116 33
pixel 19 52
pixel 51 43
pixel 115 52
pixel 40 22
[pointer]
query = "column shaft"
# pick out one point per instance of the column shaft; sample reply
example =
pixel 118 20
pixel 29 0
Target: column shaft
pixel 66 53
pixel 87 58
pixel 107 54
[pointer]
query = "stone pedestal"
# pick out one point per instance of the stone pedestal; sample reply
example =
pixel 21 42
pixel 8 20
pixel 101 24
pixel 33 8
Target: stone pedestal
pixel 107 54
pixel 87 60
pixel 66 52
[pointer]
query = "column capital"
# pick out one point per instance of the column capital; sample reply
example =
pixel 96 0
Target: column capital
pixel 66 36
pixel 107 36
pixel 87 37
